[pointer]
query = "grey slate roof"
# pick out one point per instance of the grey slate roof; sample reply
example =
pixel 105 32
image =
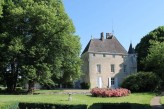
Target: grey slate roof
pixel 110 45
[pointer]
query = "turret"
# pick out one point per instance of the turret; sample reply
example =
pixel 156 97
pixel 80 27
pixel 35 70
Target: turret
pixel 131 49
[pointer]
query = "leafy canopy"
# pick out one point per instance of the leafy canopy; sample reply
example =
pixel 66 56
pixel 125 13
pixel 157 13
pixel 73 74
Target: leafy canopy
pixel 143 46
pixel 37 42
pixel 155 59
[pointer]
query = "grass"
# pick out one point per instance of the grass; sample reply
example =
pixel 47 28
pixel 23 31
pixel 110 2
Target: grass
pixel 139 98
pixel 162 100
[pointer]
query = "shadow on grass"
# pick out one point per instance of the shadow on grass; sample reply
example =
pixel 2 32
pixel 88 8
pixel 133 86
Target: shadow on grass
pixel 17 92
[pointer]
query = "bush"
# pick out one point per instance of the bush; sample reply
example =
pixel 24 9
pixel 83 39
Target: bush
pixel 85 85
pixel 103 92
pixel 119 106
pixel 141 82
pixel 50 106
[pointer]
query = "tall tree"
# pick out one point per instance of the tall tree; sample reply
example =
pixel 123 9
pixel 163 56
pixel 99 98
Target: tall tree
pixel 155 59
pixel 37 42
pixel 145 43
pixel 1 3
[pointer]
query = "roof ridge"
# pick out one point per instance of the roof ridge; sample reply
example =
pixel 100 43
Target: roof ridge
pixel 110 45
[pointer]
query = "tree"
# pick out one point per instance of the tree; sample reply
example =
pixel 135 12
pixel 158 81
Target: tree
pixel 155 59
pixel 145 43
pixel 37 42
pixel 1 3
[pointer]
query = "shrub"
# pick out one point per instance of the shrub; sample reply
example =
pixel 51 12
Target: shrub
pixel 85 85
pixel 141 82
pixel 103 92
pixel 50 106
pixel 119 106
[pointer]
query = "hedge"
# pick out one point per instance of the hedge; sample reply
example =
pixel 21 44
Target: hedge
pixel 50 106
pixel 14 105
pixel 119 106
pixel 85 85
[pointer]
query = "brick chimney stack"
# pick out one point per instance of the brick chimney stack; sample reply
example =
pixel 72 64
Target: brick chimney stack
pixel 102 36
pixel 109 35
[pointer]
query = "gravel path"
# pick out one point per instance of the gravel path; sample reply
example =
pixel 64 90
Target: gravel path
pixel 155 103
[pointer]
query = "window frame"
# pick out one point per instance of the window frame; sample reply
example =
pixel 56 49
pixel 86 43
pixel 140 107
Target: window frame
pixel 125 68
pixel 98 68
pixel 112 69
pixel 112 81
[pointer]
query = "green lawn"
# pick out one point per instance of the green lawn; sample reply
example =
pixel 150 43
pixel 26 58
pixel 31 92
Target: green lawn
pixel 162 100
pixel 139 98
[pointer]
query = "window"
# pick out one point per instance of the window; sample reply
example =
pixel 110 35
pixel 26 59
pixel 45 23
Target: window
pixel 112 68
pixel 104 55
pixel 98 68
pixel 112 81
pixel 125 68
pixel 113 56
pixel 93 54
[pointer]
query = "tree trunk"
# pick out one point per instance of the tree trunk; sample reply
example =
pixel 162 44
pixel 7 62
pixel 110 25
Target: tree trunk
pixel 11 85
pixel 11 76
pixel 31 86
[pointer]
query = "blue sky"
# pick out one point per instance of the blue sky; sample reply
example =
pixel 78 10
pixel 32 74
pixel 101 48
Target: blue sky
pixel 130 19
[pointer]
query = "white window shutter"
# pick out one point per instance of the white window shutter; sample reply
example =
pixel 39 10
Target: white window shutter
pixel 100 82
pixel 109 82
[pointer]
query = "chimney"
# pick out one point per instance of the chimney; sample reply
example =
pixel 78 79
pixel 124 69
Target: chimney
pixel 109 35
pixel 102 36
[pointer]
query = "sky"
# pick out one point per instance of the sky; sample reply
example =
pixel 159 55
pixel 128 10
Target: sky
pixel 130 20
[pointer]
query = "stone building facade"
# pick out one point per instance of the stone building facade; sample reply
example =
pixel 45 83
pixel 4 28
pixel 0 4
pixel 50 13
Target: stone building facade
pixel 106 62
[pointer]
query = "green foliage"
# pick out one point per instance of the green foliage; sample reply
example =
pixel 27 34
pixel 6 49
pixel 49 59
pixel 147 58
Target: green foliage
pixel 1 3
pixel 50 106
pixel 37 39
pixel 118 105
pixel 85 85
pixel 142 48
pixel 155 59
pixel 141 82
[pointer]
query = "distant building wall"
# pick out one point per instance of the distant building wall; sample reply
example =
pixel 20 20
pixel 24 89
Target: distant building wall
pixel 122 68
